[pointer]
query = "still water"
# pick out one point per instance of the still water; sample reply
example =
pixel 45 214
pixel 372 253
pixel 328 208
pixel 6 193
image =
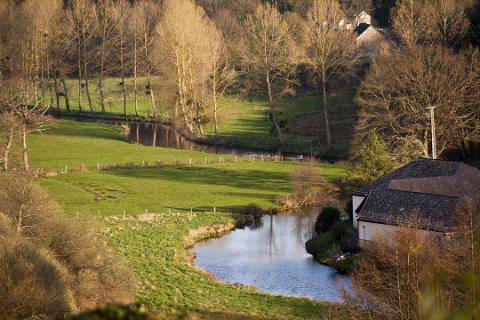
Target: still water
pixel 158 135
pixel 272 258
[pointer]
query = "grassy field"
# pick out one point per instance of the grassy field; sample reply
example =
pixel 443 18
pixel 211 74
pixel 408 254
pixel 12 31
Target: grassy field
pixel 73 143
pixel 245 122
pixel 156 250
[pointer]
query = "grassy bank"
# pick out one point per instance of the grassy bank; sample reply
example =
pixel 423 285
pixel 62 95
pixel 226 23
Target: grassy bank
pixel 245 122
pixel 156 248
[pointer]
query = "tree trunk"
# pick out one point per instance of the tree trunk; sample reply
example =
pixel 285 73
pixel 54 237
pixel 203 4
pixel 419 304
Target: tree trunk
pixel 180 85
pixel 102 67
pixel 55 87
pixel 135 85
pixel 122 65
pixel 49 80
pixel 26 165
pixel 33 74
pixel 273 112
pixel 199 119
pixel 79 54
pixel 215 103
pixel 325 111
pixel 6 156
pixel 149 83
pixel 65 93
pixel 85 75
pixel 20 218
pixel 87 91
pixel 152 98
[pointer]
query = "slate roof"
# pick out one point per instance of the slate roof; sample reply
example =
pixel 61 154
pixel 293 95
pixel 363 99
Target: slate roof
pixel 428 190
pixel 361 28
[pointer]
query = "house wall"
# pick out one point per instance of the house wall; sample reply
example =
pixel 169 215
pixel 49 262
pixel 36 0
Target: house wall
pixel 370 231
pixel 356 202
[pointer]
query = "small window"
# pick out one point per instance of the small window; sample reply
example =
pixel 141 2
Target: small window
pixel 364 233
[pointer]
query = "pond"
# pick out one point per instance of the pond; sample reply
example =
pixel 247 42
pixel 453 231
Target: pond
pixel 159 135
pixel 271 257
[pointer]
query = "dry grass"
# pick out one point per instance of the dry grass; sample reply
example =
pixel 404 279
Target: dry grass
pixel 50 265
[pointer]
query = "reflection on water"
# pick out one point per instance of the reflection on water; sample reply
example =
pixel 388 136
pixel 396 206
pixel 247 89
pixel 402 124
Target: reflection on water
pixel 272 258
pixel 158 135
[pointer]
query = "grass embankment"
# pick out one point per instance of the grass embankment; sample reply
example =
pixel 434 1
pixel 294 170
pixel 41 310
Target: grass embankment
pixel 245 122
pixel 156 248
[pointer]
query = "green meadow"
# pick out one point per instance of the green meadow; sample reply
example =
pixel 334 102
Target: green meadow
pixel 182 197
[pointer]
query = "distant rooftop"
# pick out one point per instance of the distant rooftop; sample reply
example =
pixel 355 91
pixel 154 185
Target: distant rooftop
pixel 429 190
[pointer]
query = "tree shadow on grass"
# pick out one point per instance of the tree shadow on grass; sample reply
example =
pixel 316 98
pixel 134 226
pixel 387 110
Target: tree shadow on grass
pixel 210 315
pixel 274 182
pixel 85 129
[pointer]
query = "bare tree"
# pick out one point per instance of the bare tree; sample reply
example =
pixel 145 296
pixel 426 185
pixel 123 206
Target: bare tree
pixel 410 20
pixel 183 59
pixel 430 21
pixel 107 25
pixel 330 50
pixel 271 55
pixel 221 71
pixel 11 99
pixel 395 96
pixel 120 46
pixel 144 20
pixel 448 21
pixel 81 16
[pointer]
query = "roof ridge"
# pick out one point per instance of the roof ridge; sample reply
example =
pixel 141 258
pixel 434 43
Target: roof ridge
pixel 426 193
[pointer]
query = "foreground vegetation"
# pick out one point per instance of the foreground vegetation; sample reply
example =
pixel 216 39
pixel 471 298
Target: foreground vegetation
pixel 155 245
pixel 50 265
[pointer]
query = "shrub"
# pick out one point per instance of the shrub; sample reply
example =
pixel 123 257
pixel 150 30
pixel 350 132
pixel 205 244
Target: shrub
pixel 319 246
pixel 327 219
pixel 62 264
pixel 374 161
pixel 32 282
pixel 254 210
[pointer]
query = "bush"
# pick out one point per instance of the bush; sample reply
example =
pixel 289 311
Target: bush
pixel 374 161
pixel 319 246
pixel 32 281
pixel 327 219
pixel 59 266
pixel 254 210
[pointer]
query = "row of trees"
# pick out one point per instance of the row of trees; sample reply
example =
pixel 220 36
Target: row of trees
pixel 198 57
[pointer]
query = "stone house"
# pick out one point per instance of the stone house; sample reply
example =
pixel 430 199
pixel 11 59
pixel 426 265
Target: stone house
pixel 430 191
